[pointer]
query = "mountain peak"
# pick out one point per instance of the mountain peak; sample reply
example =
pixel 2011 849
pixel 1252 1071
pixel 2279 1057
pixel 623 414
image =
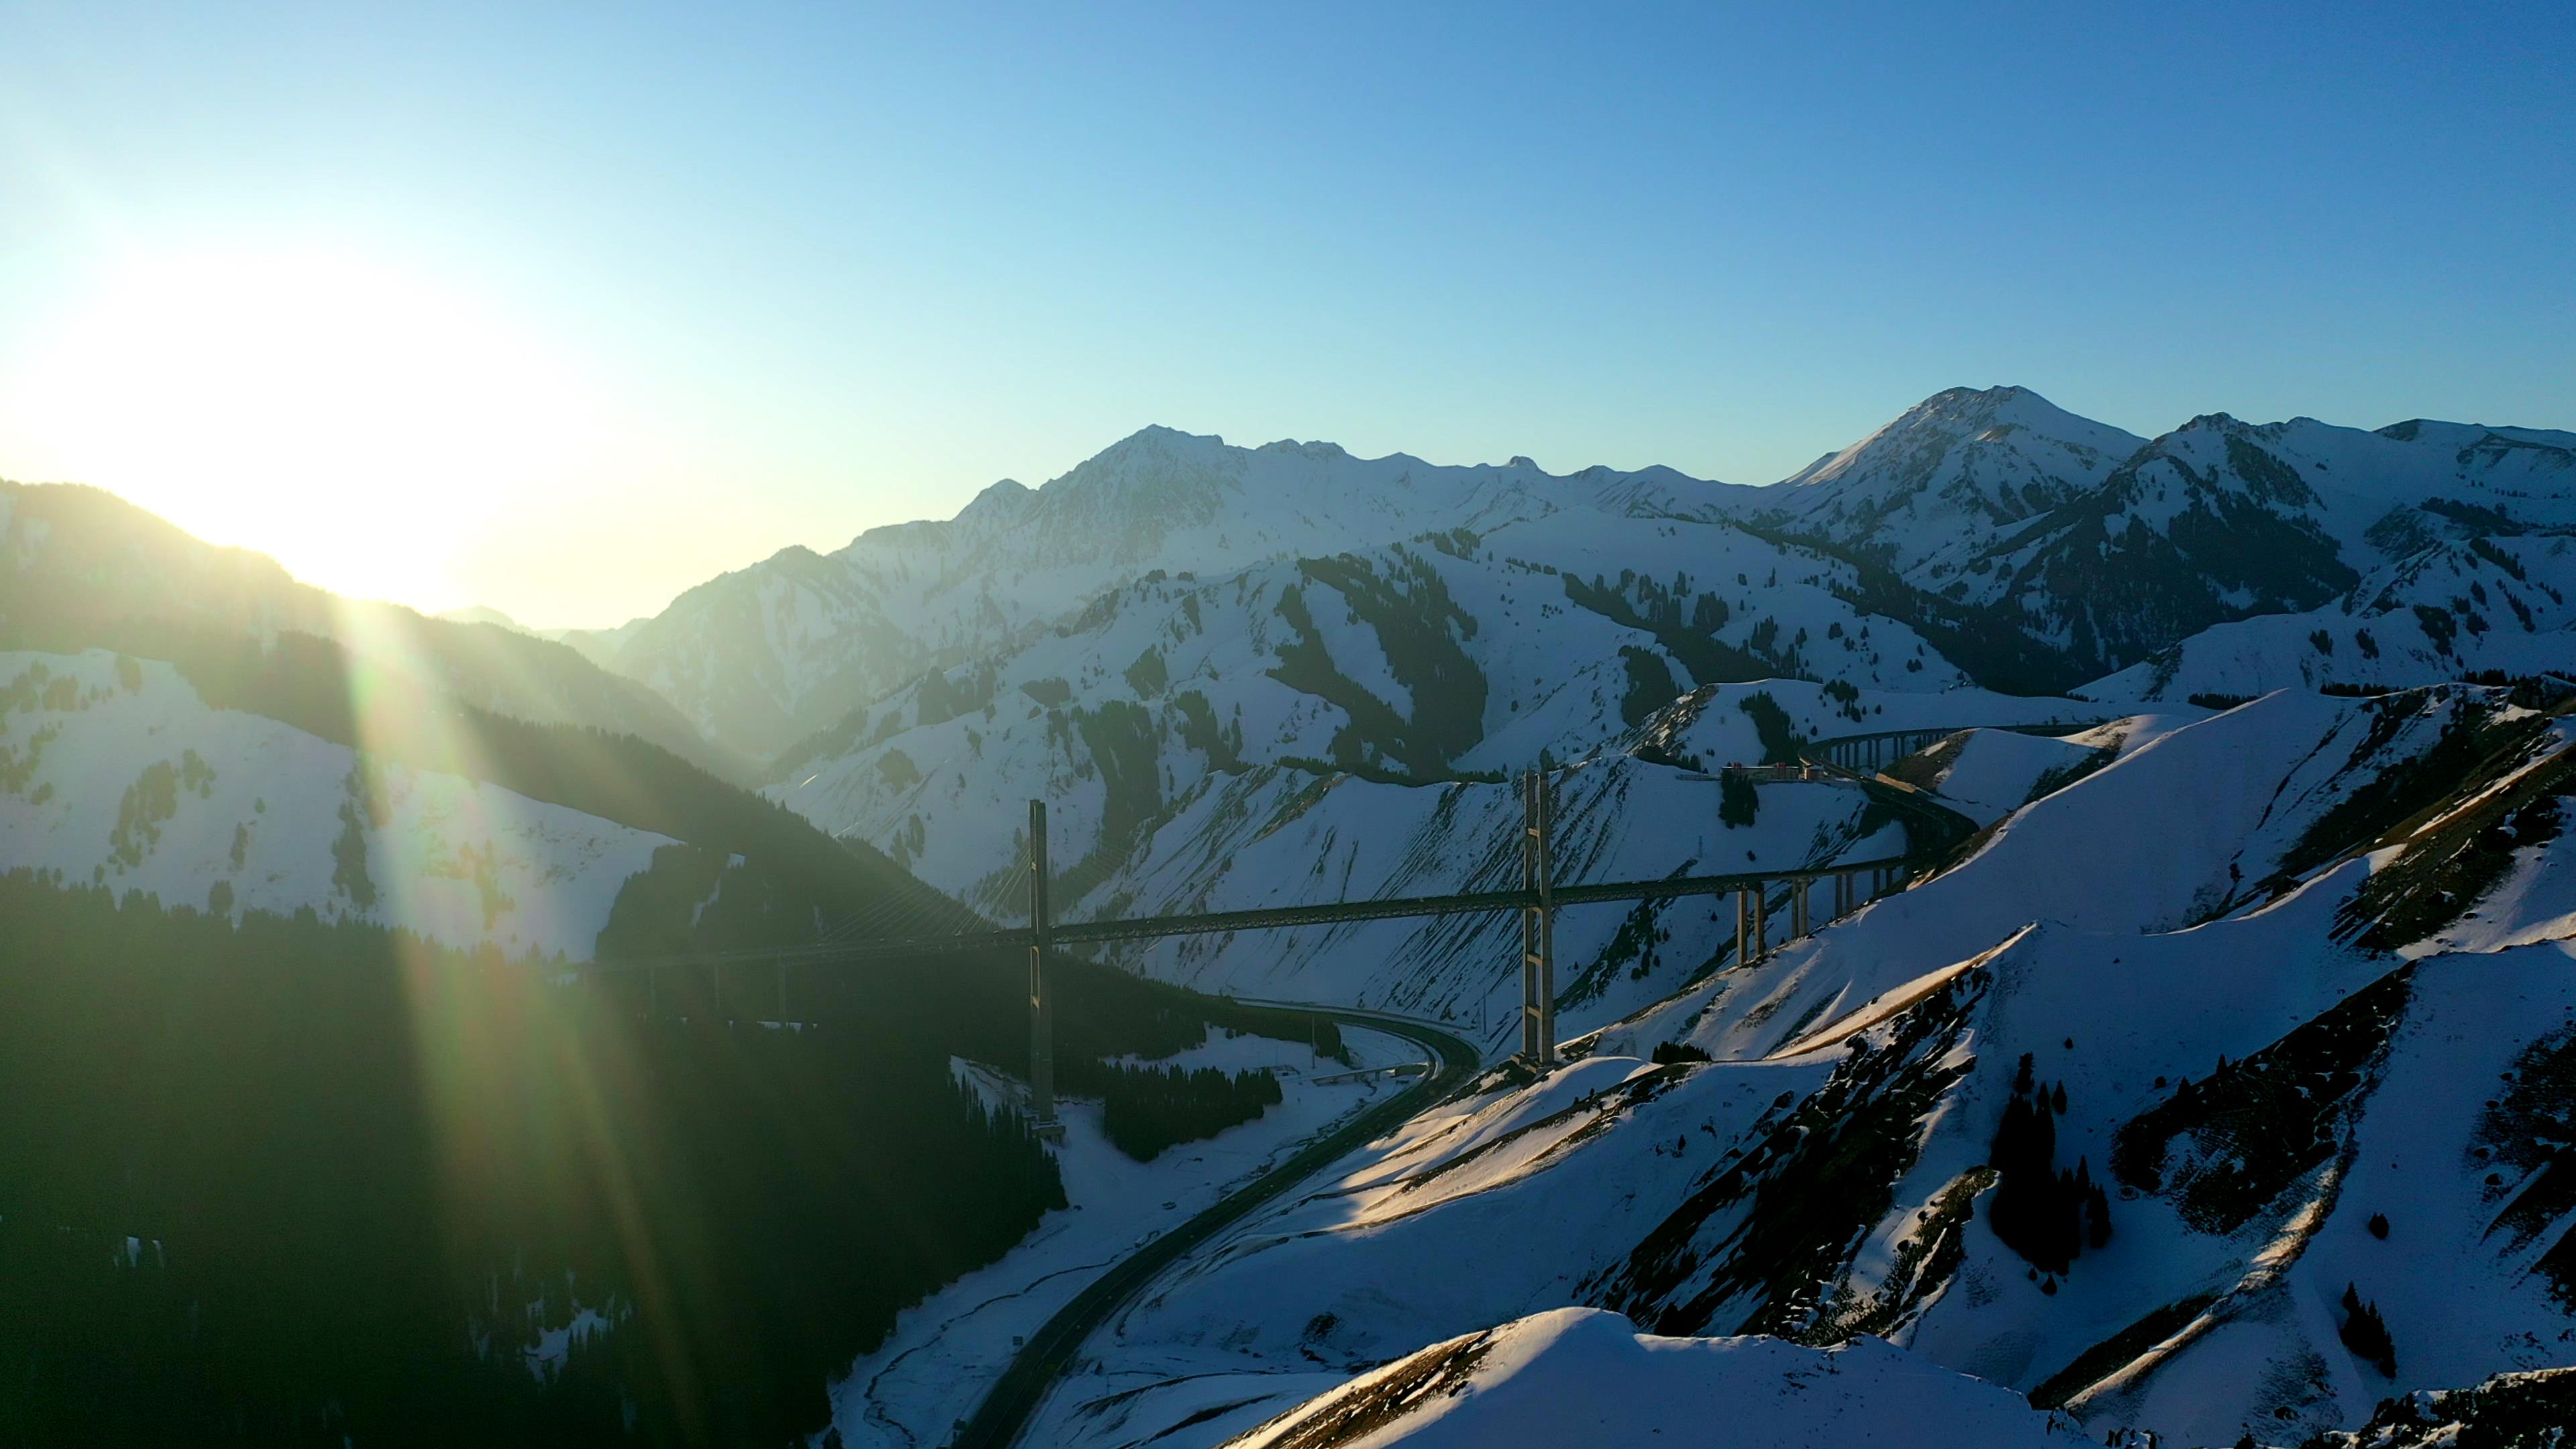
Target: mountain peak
pixel 1316 449
pixel 1001 498
pixel 1917 437
pixel 1159 436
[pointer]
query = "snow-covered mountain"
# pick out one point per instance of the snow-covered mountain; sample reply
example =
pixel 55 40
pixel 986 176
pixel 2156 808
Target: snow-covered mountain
pixel 2216 1086
pixel 81 568
pixel 765 656
pixel 190 723
pixel 114 772
pixel 1196 652
pixel 1932 492
pixel 2222 520
pixel 2216 1092
pixel 2491 602
pixel 1459 657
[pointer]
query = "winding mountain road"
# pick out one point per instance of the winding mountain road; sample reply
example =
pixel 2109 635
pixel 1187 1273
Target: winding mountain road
pixel 1005 1412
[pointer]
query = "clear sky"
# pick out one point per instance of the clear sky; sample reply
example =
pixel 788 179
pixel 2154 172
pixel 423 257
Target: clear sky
pixel 562 309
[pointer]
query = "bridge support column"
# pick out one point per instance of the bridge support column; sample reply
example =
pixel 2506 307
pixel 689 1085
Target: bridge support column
pixel 1743 927
pixel 1538 923
pixel 1041 1012
pixel 1761 921
pixel 1798 910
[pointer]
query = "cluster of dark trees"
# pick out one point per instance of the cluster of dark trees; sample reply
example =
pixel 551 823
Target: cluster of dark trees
pixel 1146 1109
pixel 2366 1333
pixel 292 1181
pixel 2046 1214
pixel 1685 622
pixel 1738 803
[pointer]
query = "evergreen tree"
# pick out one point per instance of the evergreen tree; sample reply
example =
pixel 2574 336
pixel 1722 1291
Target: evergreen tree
pixel 2366 1333
pixel 2045 1214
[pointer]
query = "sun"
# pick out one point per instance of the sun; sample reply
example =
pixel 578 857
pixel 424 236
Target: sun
pixel 359 422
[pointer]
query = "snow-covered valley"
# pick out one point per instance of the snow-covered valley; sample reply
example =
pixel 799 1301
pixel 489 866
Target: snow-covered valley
pixel 2211 1080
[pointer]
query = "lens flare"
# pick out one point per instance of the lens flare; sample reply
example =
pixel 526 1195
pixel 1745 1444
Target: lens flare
pixel 358 422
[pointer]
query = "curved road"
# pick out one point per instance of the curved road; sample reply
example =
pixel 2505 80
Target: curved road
pixel 1006 1409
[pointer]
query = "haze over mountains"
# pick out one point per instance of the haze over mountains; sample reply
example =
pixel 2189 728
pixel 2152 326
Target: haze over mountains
pixel 2251 989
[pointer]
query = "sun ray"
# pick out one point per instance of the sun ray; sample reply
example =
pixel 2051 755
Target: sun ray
pixel 357 421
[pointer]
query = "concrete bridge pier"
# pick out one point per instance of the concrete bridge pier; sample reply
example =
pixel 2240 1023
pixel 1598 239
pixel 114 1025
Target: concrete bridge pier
pixel 1798 910
pixel 1538 922
pixel 1041 1012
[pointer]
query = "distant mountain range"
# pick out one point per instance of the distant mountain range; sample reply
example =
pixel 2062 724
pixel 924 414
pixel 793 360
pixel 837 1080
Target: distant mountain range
pixel 1178 610
pixel 2219 1086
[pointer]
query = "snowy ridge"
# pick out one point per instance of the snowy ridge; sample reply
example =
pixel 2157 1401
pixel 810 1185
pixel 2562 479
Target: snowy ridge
pixel 2491 603
pixel 770 654
pixel 1582 1376
pixel 2351 1119
pixel 1933 489
pixel 81 568
pixel 113 771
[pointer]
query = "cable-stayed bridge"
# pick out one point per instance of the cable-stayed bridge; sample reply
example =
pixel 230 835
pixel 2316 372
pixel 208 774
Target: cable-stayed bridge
pixel 912 930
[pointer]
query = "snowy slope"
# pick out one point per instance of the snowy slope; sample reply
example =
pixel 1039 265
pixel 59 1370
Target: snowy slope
pixel 769 654
pixel 81 568
pixel 1721 724
pixel 2197 822
pixel 113 771
pixel 1419 660
pixel 2220 520
pixel 1416 661
pixel 1273 838
pixel 1987 774
pixel 944 1352
pixel 1932 491
pixel 1828 1173
pixel 1155 814
pixel 2492 603
pixel 1581 1376
pixel 2031 547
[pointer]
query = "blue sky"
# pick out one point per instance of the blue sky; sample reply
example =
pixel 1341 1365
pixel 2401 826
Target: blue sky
pixel 801 271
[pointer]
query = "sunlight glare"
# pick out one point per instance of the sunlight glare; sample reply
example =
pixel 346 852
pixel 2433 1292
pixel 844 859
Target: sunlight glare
pixel 356 422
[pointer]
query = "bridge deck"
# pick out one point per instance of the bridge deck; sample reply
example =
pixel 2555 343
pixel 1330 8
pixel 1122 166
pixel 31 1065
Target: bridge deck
pixel 1324 913
pixel 1946 828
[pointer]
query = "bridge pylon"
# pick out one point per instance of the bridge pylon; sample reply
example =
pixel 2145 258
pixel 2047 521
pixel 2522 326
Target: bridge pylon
pixel 1041 1012
pixel 1538 922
